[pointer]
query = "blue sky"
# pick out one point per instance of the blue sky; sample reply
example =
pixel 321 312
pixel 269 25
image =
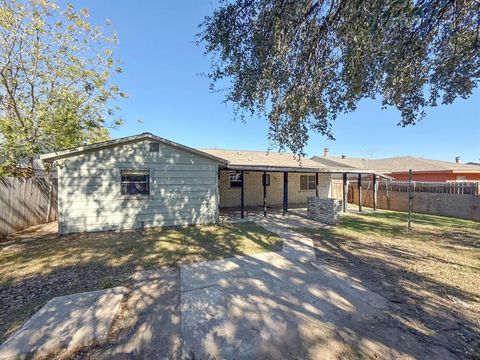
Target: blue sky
pixel 162 64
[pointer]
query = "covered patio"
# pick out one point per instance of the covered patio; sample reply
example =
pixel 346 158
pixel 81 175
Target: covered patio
pixel 322 187
pixel 270 181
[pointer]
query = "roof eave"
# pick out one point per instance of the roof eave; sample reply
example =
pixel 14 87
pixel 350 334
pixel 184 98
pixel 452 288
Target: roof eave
pixel 51 157
pixel 239 167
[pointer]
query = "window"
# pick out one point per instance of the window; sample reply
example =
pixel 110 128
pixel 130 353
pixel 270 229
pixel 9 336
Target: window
pixel 461 178
pixel 266 179
pixel 154 147
pixel 307 182
pixel 235 179
pixel 135 182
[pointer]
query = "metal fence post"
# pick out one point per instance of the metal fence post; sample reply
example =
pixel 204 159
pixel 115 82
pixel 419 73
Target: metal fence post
pixel 410 199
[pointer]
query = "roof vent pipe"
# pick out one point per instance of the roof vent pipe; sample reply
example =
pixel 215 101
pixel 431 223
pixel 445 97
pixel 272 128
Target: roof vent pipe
pixel 458 159
pixel 325 152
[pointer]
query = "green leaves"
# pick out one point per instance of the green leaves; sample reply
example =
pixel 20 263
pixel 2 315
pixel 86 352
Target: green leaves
pixel 55 81
pixel 302 63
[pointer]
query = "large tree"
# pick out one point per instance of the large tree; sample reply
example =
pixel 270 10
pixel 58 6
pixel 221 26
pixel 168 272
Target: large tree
pixel 55 89
pixel 301 63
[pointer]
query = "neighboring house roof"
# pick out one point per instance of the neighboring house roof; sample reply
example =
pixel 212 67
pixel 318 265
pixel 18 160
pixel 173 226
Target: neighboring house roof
pixel 399 164
pixel 355 163
pixel 273 161
pixel 105 144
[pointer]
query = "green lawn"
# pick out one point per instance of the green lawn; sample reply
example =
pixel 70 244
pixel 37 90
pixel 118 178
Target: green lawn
pixel 432 272
pixel 34 270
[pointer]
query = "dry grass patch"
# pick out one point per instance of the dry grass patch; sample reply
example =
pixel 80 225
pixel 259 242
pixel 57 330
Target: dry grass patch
pixel 432 272
pixel 34 270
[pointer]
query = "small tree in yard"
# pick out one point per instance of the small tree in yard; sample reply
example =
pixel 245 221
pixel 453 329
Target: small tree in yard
pixel 55 91
pixel 302 63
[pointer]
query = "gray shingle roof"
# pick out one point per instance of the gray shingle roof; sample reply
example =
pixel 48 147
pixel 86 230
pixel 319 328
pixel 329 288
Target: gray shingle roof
pixel 263 158
pixel 397 164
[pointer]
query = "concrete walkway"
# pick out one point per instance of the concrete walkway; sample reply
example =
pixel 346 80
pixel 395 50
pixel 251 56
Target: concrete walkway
pixel 286 305
pixel 295 246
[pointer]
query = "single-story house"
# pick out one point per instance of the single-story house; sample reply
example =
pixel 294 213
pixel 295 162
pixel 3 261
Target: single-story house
pixel 398 167
pixel 148 181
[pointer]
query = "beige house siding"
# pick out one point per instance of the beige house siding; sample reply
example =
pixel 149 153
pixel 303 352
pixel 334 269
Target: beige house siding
pixel 230 197
pixel 183 189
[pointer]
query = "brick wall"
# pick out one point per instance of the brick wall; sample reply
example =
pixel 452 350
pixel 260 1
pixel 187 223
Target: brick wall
pixel 230 197
pixel 453 205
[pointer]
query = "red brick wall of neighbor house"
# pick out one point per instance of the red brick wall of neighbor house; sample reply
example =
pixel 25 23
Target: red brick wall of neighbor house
pixel 436 176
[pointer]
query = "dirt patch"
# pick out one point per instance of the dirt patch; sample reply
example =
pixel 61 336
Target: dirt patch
pixel 431 273
pixel 148 323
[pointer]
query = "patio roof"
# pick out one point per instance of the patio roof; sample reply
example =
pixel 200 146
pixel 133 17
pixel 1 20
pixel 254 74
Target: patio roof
pixel 248 160
pixel 264 161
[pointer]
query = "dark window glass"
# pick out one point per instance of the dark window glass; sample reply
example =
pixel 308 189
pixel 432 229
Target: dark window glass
pixel 154 147
pixel 235 179
pixel 307 182
pixel 135 182
pixel 266 179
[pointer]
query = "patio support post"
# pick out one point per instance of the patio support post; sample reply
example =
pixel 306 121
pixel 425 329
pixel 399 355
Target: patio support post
pixel 242 196
pixel 264 180
pixel 285 193
pixel 374 200
pixel 316 184
pixel 359 192
pixel 345 192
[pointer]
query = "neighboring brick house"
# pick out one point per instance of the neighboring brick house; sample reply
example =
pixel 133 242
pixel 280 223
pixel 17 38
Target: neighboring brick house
pixel 398 167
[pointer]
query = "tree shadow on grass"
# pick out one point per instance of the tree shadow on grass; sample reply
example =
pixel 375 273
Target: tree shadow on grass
pixel 435 312
pixel 456 233
pixel 424 219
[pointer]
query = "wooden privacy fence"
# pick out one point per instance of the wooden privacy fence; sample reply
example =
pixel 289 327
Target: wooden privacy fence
pixel 337 189
pixel 26 202
pixel 451 187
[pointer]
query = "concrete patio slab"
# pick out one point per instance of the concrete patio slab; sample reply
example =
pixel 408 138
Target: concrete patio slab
pixel 274 307
pixel 246 324
pixel 295 218
pixel 65 323
pixel 287 305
